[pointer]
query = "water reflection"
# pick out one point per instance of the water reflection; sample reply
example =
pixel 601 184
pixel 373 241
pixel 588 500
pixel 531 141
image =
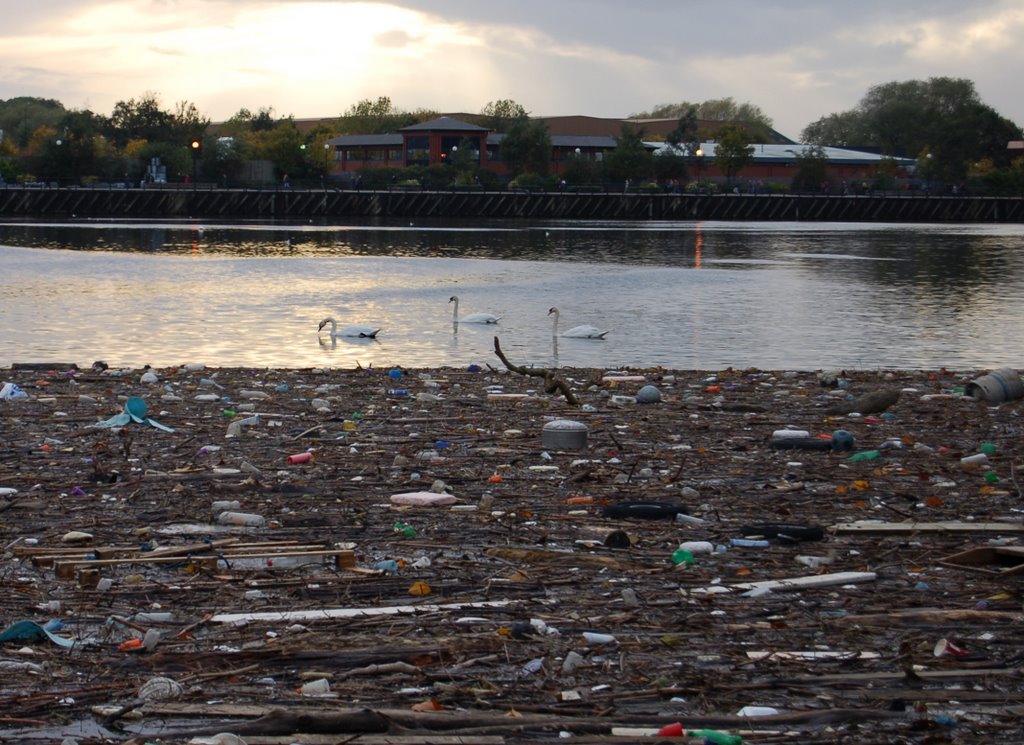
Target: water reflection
pixel 699 295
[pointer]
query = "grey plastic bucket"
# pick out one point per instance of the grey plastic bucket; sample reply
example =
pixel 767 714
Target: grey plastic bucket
pixel 999 385
pixel 564 434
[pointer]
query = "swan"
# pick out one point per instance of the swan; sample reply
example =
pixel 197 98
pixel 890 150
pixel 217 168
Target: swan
pixel 366 332
pixel 576 332
pixel 472 317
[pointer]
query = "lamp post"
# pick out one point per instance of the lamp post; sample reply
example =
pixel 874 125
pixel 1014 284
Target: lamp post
pixel 197 146
pixel 699 153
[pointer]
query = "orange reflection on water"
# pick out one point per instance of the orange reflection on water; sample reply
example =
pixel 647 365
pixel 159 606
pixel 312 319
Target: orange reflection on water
pixel 700 245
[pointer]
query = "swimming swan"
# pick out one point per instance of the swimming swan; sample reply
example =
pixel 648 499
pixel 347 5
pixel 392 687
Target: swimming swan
pixel 366 332
pixel 576 332
pixel 472 317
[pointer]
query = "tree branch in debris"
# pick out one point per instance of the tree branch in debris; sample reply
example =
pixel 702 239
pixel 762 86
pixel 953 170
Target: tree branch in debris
pixel 552 383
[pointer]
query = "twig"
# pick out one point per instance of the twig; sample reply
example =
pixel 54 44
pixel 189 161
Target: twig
pixel 552 383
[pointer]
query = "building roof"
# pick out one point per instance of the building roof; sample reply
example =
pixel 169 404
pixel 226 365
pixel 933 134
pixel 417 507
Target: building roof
pixel 444 124
pixel 790 153
pixel 367 140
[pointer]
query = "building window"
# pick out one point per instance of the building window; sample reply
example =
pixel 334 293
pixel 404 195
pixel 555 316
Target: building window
pixel 354 153
pixel 395 154
pixel 417 151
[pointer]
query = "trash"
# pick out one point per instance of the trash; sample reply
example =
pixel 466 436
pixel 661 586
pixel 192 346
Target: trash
pixel 160 689
pixel 648 395
pixel 26 631
pixel 241 518
pixel 564 434
pixel 11 392
pixel 999 385
pixel 996 560
pixel 643 510
pixel 318 687
pixel 422 498
pixel 300 458
pixel 870 403
pixel 783 532
pixel 135 410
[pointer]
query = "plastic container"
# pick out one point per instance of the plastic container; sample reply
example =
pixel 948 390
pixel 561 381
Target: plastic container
pixel 317 687
pixel 564 434
pixel 241 518
pixel 697 547
pixel 999 385
pixel 865 455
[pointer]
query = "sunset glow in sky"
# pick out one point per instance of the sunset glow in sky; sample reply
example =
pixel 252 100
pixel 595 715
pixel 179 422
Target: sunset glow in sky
pixel 798 60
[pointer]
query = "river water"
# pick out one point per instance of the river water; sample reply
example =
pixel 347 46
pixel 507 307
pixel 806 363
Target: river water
pixel 686 295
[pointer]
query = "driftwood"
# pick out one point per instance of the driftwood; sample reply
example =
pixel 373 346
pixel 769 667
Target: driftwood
pixel 869 403
pixel 552 382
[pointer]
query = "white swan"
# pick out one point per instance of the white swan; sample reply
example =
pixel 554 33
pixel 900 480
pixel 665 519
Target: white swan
pixel 472 317
pixel 576 332
pixel 366 332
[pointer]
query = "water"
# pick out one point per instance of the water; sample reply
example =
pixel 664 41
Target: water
pixel 680 295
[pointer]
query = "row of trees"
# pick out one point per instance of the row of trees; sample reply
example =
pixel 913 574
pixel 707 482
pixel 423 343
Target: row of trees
pixel 940 121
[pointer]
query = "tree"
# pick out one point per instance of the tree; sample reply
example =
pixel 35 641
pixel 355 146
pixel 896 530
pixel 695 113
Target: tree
pixel 733 152
pixel 526 147
pixel 712 110
pixel 941 116
pixel 499 115
pixel 139 120
pixel 812 165
pixel 21 117
pixel 630 159
pixel 374 117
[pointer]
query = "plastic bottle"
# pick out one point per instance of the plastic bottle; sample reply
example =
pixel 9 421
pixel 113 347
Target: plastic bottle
pixel 405 529
pixel 716 736
pixel 864 455
pixel 801 443
pixel 241 518
pixel 697 547
pixel 682 556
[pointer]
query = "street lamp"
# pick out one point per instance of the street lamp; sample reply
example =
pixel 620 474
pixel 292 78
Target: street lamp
pixel 197 148
pixel 699 153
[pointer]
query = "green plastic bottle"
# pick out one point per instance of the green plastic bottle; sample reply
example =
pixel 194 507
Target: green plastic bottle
pixel 716 736
pixel 682 556
pixel 865 455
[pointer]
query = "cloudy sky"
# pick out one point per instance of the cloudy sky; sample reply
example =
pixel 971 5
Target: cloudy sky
pixel 798 60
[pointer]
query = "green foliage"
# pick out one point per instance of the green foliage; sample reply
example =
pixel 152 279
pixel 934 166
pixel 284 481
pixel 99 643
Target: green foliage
pixel 712 110
pixel 733 152
pixel 532 181
pixel 499 115
pixel 630 159
pixel 381 178
pixel 21 117
pixel 580 169
pixel 941 116
pixel 812 165
pixel 374 117
pixel 526 147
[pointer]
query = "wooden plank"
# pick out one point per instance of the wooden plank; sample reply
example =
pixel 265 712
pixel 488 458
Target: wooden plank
pixel 67 568
pixel 868 526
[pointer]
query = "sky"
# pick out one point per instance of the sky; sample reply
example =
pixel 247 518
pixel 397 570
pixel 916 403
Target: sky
pixel 798 60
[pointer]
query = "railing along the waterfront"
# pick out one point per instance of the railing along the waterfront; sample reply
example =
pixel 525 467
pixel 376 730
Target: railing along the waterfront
pixel 209 201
